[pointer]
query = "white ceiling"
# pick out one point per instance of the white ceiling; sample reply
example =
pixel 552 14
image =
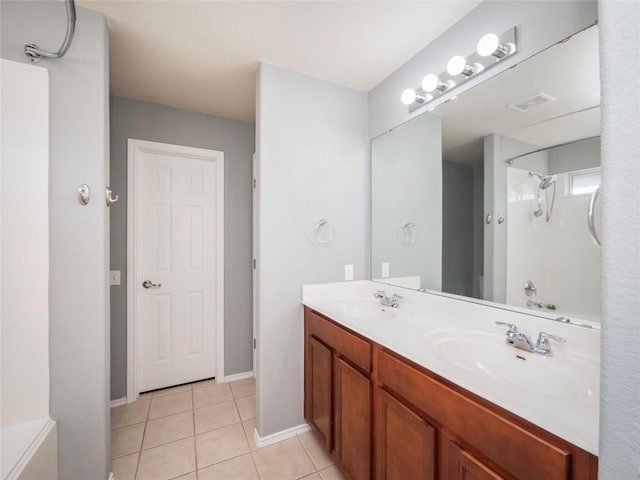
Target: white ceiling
pixel 568 71
pixel 202 55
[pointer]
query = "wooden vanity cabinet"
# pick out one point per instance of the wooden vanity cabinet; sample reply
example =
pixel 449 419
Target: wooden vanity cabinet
pixel 338 393
pixel 382 416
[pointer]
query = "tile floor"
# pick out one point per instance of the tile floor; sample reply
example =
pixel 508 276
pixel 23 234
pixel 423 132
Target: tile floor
pixel 204 431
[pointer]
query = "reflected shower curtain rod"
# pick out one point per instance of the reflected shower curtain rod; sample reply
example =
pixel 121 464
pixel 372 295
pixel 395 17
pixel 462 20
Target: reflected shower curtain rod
pixel 35 54
pixel 510 160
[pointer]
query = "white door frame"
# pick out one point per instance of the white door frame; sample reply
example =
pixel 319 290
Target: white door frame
pixel 133 148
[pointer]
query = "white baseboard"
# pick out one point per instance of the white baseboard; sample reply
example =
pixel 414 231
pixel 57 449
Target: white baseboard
pixel 118 402
pixel 235 377
pixel 22 444
pixel 111 477
pixel 280 436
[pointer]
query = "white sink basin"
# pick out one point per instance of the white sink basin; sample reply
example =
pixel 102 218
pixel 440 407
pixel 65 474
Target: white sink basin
pixel 485 355
pixel 363 309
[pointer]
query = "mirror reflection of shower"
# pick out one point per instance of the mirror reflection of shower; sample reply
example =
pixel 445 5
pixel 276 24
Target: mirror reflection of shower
pixel 549 189
pixel 545 182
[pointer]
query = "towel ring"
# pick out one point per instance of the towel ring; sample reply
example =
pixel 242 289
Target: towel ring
pixel 409 233
pixel 324 231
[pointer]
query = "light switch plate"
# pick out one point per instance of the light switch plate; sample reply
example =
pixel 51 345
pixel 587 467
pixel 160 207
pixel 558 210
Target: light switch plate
pixel 385 270
pixel 348 272
pixel 114 277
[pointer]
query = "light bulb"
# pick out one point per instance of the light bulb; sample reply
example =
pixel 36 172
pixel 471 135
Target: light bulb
pixel 430 82
pixel 456 65
pixel 408 96
pixel 488 44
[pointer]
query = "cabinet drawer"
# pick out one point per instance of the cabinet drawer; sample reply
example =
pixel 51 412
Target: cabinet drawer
pixel 344 343
pixel 519 452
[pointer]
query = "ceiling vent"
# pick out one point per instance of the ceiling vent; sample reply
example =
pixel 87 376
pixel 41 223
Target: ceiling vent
pixel 531 102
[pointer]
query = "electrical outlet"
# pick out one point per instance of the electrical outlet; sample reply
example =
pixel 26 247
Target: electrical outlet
pixel 385 270
pixel 348 272
pixel 114 277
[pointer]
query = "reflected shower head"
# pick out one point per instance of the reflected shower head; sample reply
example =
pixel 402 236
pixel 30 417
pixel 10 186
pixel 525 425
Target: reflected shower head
pixel 545 180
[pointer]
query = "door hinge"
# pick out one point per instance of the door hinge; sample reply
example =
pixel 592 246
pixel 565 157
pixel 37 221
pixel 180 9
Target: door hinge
pixel 254 263
pixel 254 343
pixel 254 183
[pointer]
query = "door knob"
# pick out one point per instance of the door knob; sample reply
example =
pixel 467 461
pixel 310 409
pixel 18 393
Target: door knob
pixel 149 284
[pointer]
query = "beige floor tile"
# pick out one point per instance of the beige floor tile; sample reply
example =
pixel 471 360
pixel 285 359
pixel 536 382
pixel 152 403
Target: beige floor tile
pixel 216 416
pixel 217 393
pixel 204 383
pixel 171 390
pixel 313 476
pixel 126 440
pixel 124 468
pixel 244 388
pixel 247 407
pixel 315 450
pixel 332 473
pixel 135 412
pixel 285 460
pixel 221 444
pixel 168 429
pixel 239 468
pixel 249 428
pixel 188 476
pixel 167 461
pixel 144 396
pixel 170 404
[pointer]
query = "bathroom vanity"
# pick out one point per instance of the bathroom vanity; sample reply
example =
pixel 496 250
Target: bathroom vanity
pixel 431 390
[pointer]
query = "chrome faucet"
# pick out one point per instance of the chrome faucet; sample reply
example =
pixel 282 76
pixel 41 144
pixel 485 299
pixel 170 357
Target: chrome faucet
pixel 392 301
pixel 524 342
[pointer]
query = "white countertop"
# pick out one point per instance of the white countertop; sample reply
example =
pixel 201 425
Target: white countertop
pixel 560 393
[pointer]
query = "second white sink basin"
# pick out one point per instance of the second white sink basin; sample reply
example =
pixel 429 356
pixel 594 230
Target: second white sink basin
pixel 485 355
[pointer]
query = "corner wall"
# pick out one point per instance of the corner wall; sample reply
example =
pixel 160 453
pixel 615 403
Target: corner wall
pixel 313 158
pixel 78 235
pixel 620 380
pixel 159 123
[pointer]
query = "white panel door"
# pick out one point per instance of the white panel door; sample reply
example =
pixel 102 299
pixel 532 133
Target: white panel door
pixel 175 273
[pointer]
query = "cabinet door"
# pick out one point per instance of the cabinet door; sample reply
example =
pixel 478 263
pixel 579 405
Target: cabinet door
pixel 463 466
pixel 406 447
pixel 318 380
pixel 353 420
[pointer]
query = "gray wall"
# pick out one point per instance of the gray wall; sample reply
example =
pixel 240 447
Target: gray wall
pixel 406 186
pixel 540 25
pixel 313 158
pixel 457 229
pixel 620 382
pixel 158 123
pixel 577 156
pixel 79 258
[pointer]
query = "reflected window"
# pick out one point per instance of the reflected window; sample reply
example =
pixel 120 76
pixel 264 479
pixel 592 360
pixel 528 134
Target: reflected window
pixel 582 183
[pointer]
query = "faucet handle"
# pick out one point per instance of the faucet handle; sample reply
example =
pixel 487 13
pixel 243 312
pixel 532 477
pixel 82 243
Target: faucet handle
pixel 379 294
pixel 512 328
pixel 396 296
pixel 544 336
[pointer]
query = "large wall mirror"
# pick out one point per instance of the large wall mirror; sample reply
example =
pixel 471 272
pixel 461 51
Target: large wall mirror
pixel 493 194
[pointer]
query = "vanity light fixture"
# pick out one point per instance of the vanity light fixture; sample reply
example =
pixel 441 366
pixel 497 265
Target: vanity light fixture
pixel 431 82
pixel 458 65
pixel 491 49
pixel 410 96
pixel 489 45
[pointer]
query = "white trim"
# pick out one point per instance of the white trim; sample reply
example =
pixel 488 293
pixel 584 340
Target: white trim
pixel 111 477
pixel 217 157
pixel 279 436
pixel 235 377
pixel 118 402
pixel 30 449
